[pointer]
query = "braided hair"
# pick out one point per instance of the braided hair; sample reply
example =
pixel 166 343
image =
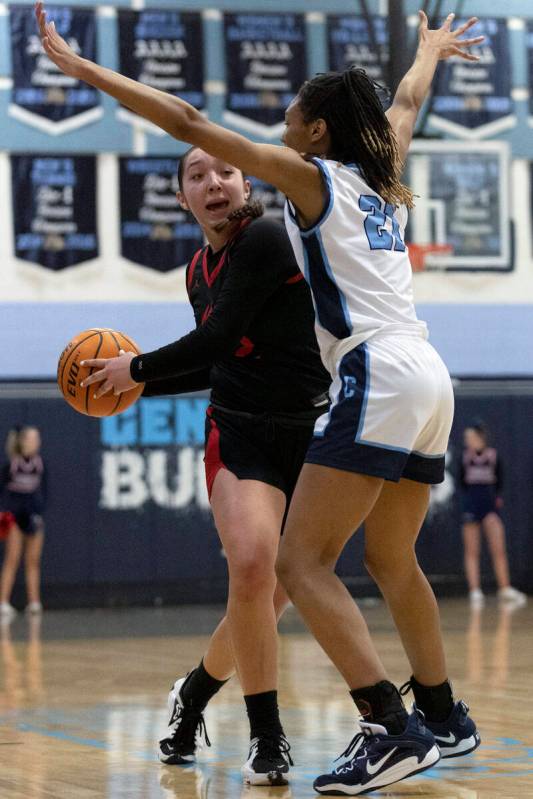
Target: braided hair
pixel 359 130
pixel 250 210
pixel 253 209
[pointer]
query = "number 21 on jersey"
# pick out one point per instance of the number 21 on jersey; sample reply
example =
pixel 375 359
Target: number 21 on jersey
pixel 379 238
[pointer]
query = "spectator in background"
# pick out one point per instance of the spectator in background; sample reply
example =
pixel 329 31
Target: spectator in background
pixel 23 492
pixel 481 485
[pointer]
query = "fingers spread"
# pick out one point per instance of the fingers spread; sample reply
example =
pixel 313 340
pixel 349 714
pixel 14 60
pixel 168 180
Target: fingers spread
pixel 105 388
pixel 448 22
pixel 465 26
pixel 95 362
pixel 96 377
pixel 464 55
pixel 469 42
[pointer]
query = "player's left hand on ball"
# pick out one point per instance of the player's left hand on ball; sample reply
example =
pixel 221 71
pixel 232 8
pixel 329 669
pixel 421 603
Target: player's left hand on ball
pixel 113 374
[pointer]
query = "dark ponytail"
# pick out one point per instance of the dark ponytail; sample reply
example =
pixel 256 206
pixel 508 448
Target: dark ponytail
pixel 359 130
pixel 252 210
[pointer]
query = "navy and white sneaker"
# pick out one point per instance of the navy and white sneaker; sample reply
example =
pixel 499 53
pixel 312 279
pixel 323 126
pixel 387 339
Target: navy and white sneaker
pixel 185 732
pixel 376 759
pixel 268 761
pixel 458 734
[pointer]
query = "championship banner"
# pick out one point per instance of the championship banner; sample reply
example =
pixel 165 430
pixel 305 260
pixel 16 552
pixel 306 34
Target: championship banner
pixel 154 230
pixel 163 49
pixel 474 100
pixel 265 67
pixel 272 198
pixel 54 209
pixel 351 41
pixel 42 96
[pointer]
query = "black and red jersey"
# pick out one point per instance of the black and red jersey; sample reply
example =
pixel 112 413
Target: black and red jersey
pixel 254 344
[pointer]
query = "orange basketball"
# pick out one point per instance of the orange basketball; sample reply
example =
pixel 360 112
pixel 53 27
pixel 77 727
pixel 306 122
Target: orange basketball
pixel 99 342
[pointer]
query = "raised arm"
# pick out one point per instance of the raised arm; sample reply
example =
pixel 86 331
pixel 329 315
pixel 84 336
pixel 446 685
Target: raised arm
pixel 280 166
pixel 433 46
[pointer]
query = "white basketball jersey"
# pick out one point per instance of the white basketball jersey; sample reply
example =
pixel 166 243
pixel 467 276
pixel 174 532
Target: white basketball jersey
pixel 356 263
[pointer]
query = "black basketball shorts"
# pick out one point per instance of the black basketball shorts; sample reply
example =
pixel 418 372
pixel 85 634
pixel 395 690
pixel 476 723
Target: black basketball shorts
pixel 267 447
pixel 26 509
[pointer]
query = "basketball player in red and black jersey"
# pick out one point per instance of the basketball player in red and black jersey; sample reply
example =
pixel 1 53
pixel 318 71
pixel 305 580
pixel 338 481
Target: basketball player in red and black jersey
pixel 481 484
pixel 255 348
pixel 23 493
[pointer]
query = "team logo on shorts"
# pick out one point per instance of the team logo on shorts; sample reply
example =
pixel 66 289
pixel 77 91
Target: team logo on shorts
pixel 349 386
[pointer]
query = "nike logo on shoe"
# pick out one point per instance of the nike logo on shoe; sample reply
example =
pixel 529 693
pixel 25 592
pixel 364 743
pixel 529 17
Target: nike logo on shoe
pixel 448 739
pixel 373 768
pixel 175 714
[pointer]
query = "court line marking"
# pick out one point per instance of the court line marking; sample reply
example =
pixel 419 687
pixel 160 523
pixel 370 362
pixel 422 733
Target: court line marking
pixel 463 771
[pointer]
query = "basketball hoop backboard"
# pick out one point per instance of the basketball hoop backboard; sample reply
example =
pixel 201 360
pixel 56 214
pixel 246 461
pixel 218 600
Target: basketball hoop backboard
pixel 462 203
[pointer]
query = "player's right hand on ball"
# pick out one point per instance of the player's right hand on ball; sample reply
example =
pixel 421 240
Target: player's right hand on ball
pixel 113 374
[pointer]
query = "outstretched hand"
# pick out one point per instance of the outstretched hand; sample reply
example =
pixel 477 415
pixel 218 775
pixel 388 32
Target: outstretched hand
pixel 55 47
pixel 446 41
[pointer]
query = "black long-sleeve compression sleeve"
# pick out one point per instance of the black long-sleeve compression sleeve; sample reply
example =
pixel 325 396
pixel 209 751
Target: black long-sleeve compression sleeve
pixel 182 384
pixel 260 261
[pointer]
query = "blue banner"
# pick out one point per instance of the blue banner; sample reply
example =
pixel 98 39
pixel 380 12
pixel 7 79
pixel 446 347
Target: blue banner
pixel 164 49
pixel 265 65
pixel 42 95
pixel 476 97
pixel 351 41
pixel 54 209
pixel 154 230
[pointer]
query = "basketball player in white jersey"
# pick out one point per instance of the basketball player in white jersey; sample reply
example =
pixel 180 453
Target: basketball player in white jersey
pixel 376 453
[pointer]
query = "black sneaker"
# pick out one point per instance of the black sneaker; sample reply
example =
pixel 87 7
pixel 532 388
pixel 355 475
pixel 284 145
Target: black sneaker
pixel 268 761
pixel 457 735
pixel 186 730
pixel 375 759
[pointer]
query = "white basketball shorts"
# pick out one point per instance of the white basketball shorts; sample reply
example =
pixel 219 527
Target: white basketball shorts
pixel 391 411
